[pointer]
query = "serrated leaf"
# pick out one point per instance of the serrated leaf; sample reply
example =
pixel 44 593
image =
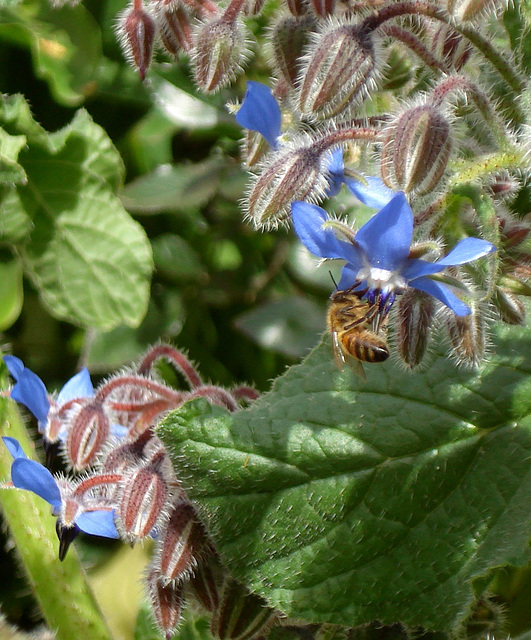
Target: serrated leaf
pixel 10 171
pixel 90 261
pixel 345 502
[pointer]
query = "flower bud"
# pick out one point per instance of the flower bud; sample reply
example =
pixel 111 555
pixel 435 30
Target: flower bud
pixel 136 32
pixel 167 602
pixel 416 150
pixel 182 540
pixel 219 54
pixel 297 7
pixel 289 38
pixel 471 9
pixel 206 583
pixel 253 7
pixel 293 174
pixel 144 496
pixel 509 306
pixel 336 73
pixel 451 47
pixel 241 615
pixel 323 8
pixel 254 148
pixel 467 335
pixel 87 433
pixel 174 27
pixel 415 318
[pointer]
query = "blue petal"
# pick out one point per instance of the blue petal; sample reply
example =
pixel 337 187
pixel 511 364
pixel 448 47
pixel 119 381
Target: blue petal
pixel 386 237
pixel 79 386
pixel 348 277
pixel 260 112
pixel 14 447
pixel 442 293
pixel 334 168
pixel 98 523
pixel 15 366
pixel 374 194
pixel 308 222
pixel 467 250
pixel 415 268
pixel 33 476
pixel 119 431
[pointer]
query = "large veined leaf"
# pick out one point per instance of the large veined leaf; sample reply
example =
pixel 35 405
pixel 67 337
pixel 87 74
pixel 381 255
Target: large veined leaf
pixel 90 261
pixel 345 501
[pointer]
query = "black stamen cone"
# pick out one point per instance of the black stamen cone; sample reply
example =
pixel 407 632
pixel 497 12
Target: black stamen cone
pixel 66 535
pixel 50 451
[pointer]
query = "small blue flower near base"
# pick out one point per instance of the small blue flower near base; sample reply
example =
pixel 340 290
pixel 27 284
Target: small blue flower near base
pixel 32 476
pixel 377 256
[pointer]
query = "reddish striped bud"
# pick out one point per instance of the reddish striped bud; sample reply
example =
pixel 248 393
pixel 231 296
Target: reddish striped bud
pixel 297 7
pixel 136 33
pixel 253 7
pixel 173 26
pixel 323 8
pixel 167 601
pixel 468 336
pixel 292 174
pixel 289 38
pixel 220 53
pixel 451 47
pixel 416 150
pixel 144 497
pixel 337 71
pixel 509 306
pixel 181 542
pixel 415 318
pixel 88 431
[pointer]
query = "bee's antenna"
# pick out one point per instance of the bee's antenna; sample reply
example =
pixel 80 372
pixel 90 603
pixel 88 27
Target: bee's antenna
pixel 333 280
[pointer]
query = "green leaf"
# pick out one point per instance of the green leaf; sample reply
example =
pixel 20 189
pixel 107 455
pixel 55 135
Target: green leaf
pixel 65 44
pixel 345 502
pixel 173 188
pixel 10 171
pixel 90 261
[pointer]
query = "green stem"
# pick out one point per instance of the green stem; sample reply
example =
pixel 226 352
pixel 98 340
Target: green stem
pixel 61 589
pixel 468 171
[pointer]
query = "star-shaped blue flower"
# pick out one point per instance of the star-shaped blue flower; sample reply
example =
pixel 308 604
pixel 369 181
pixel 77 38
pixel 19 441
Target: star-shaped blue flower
pixel 30 390
pixel 32 476
pixel 377 258
pixel 261 112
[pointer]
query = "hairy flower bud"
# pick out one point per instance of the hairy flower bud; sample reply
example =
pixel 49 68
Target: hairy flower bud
pixel 471 9
pixel 219 54
pixel 253 7
pixel 88 431
pixel 292 174
pixel 241 615
pixel 289 38
pixel 206 583
pixel 182 540
pixel 167 602
pixel 468 336
pixel 174 28
pixel 451 47
pixel 509 306
pixel 415 318
pixel 335 74
pixel 323 8
pixel 417 146
pixel 136 32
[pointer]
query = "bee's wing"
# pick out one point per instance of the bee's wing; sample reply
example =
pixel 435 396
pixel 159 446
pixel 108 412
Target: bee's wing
pixel 357 368
pixel 341 359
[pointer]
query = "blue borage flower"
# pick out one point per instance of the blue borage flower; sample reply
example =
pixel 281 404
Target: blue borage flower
pixel 261 112
pixel 32 476
pixel 377 256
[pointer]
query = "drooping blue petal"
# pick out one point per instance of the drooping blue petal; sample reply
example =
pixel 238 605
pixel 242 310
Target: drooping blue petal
pixel 308 222
pixel 441 292
pixel 386 237
pixel 374 194
pixel 348 277
pixel 467 250
pixel 260 112
pixel 119 430
pixel 415 268
pixel 29 389
pixel 33 476
pixel 98 523
pixel 14 447
pixel 334 168
pixel 14 365
pixel 79 386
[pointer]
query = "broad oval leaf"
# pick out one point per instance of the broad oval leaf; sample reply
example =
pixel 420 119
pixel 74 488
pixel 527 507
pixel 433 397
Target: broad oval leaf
pixel 345 502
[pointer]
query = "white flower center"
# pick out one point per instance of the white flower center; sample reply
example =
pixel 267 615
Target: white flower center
pixel 382 279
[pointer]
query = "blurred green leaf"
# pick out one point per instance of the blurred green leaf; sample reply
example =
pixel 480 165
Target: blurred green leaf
pixel 291 326
pixel 65 44
pixel 176 259
pixel 89 260
pixel 10 171
pixel 178 187
pixel 11 292
pixel 342 501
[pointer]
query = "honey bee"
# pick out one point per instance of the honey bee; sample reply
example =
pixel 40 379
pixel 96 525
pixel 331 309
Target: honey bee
pixel 354 326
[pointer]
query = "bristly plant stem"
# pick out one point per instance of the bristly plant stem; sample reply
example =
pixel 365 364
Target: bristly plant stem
pixel 64 596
